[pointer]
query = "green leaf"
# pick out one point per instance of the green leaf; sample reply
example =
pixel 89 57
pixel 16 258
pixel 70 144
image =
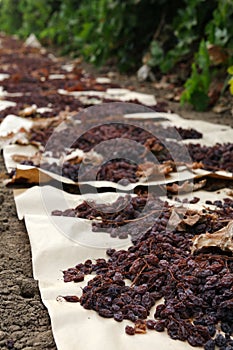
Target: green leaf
pixel 230 70
pixel 200 100
pixel 230 82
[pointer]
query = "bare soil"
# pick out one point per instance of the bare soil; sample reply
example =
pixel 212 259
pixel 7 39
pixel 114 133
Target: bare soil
pixel 24 321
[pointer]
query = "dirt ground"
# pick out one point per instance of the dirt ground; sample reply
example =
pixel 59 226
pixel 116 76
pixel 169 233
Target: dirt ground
pixel 24 321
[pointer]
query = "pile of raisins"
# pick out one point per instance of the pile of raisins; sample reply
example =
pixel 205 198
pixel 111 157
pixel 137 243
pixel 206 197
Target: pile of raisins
pixel 95 135
pixel 119 167
pixel 216 157
pixel 197 289
pixel 142 210
pixel 115 217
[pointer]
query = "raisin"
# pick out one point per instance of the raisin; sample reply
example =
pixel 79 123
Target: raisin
pixel 220 340
pixel 129 330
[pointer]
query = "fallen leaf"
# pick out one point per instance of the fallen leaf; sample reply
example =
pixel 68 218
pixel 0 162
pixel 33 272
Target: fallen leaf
pixel 26 112
pixel 220 108
pixel 191 218
pixel 19 137
pixel 29 176
pixel 162 84
pixel 222 239
pixel 197 165
pixel 140 327
pixel 36 158
pixel 176 218
pixel 149 144
pixel 217 54
pixel 186 187
pixel 151 170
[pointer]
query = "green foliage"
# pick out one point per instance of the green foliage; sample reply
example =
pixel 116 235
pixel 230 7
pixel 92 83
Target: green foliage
pixel 230 81
pixel 184 34
pixel 122 32
pixel 61 25
pixel 198 22
pixel 197 86
pixel 35 15
pixel 111 29
pixel 219 30
pixel 157 54
pixel 10 16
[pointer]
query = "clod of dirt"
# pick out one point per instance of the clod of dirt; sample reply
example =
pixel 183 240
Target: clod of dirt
pixel 1 199
pixel 28 288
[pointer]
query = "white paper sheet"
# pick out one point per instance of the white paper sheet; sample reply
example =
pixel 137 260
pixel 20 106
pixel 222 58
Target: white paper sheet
pixel 10 150
pixel 4 76
pixel 6 104
pixel 36 175
pixel 74 327
pixel 12 124
pixel 42 200
pixel 212 133
pixel 123 95
pixel 55 247
pixel 172 117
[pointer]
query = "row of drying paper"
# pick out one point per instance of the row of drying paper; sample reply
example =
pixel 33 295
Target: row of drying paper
pixel 212 133
pixel 61 242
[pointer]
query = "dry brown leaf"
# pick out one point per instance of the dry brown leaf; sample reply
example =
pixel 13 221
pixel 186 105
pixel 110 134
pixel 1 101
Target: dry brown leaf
pixel 217 54
pixel 191 218
pixel 181 217
pixel 140 327
pixel 29 176
pixel 186 187
pixel 176 218
pixel 36 158
pixel 197 165
pixel 200 184
pixel 20 138
pixel 26 112
pixel 220 108
pixel 162 84
pixel 175 188
pixel 151 170
pixel 149 144
pixel 222 239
